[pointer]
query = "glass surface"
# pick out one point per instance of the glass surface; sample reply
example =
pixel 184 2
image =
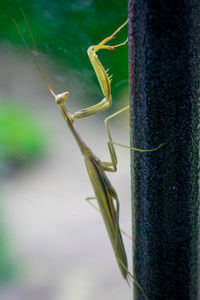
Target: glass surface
pixel 53 243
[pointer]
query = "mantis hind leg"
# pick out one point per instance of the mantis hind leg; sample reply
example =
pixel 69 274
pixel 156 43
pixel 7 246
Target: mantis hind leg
pixel 88 199
pixel 111 195
pixel 114 212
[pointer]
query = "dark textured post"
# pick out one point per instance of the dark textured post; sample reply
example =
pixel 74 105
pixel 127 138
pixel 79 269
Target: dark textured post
pixel 164 43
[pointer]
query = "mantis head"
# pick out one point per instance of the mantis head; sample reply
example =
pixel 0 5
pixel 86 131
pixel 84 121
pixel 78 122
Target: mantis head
pixel 60 98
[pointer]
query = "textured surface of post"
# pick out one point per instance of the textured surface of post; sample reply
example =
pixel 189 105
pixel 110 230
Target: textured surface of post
pixel 164 45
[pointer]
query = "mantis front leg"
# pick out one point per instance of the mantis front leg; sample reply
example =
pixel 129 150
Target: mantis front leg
pixel 103 77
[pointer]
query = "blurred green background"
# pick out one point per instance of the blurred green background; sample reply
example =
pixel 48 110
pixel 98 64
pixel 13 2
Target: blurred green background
pixel 33 140
pixel 65 29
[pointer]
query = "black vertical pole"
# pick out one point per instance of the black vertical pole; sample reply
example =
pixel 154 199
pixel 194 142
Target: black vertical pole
pixel 164 57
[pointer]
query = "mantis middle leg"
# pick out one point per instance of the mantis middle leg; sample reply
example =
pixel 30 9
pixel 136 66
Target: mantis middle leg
pixel 112 166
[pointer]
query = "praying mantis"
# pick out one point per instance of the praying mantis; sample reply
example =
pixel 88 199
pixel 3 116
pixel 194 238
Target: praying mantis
pixel 105 194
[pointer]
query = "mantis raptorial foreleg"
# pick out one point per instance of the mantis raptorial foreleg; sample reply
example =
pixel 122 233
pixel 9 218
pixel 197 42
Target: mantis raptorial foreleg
pixel 102 75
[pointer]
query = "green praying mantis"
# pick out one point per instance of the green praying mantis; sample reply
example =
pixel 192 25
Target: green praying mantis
pixel 105 194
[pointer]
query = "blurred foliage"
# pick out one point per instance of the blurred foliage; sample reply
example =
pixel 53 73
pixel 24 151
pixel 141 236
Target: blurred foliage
pixel 65 29
pixel 8 268
pixel 21 139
